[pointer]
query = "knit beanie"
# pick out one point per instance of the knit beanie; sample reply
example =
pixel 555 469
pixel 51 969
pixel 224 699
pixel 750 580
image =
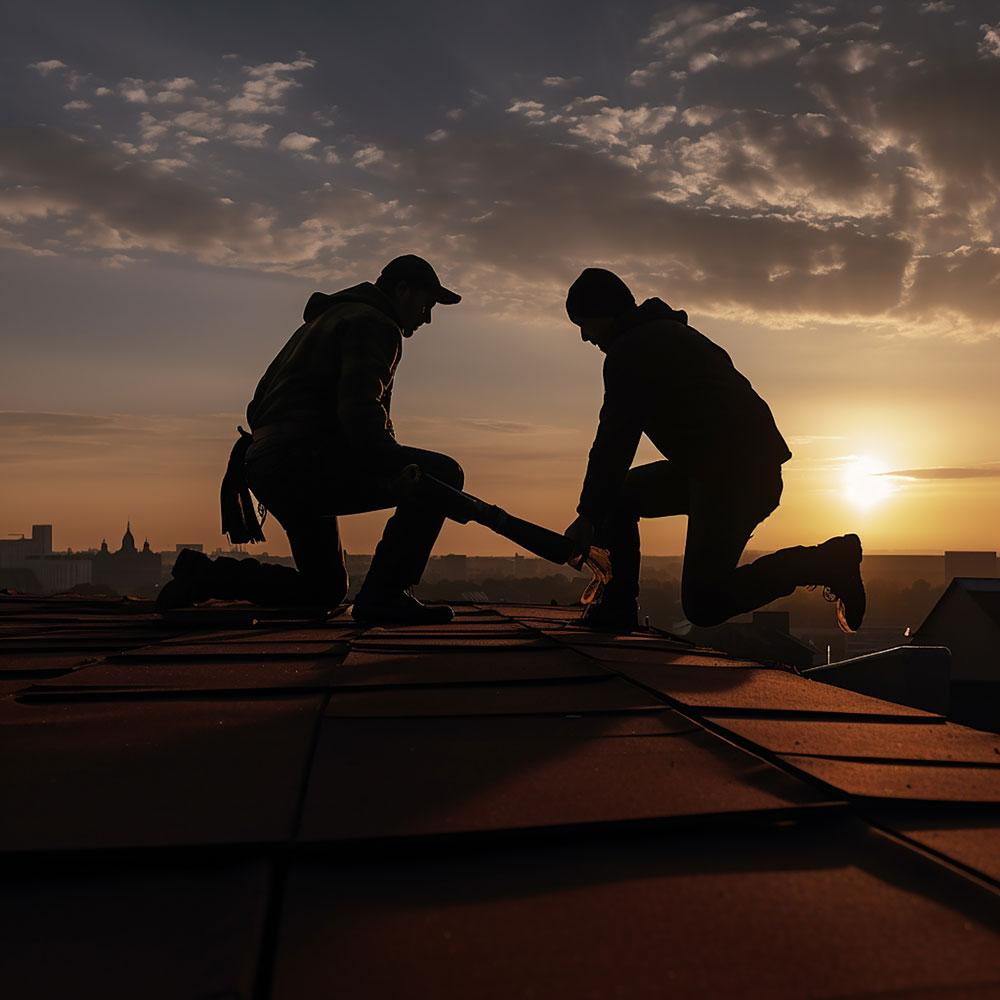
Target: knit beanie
pixel 598 293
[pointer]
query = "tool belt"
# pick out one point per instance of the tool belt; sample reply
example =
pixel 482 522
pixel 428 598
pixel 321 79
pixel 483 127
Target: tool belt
pixel 239 519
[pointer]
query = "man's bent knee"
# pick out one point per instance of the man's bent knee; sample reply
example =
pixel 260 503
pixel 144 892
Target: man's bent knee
pixel 703 610
pixel 444 468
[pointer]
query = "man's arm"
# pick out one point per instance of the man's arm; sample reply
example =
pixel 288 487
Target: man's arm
pixel 618 431
pixel 369 353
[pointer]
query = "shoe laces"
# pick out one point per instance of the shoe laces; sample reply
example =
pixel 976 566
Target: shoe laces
pixel 828 594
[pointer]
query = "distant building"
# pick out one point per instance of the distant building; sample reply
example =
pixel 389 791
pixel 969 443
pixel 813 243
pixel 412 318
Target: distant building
pixel 29 565
pixel 59 573
pixel 15 551
pixel 977 564
pixel 449 567
pixel 966 619
pixel 129 571
pixel 904 568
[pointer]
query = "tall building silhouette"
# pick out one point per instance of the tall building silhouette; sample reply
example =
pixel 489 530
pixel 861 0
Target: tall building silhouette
pixel 129 571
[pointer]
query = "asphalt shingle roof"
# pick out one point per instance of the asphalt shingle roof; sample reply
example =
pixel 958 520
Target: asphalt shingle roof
pixel 229 804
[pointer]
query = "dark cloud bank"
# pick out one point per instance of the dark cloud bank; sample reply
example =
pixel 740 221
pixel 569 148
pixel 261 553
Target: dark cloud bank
pixel 867 189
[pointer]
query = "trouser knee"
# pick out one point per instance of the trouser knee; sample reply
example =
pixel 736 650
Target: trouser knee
pixel 446 469
pixel 702 607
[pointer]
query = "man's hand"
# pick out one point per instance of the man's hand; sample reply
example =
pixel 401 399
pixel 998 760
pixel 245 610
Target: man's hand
pixel 581 532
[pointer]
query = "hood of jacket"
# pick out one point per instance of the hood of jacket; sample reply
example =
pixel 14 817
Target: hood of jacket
pixel 654 309
pixel 366 293
pixel 650 311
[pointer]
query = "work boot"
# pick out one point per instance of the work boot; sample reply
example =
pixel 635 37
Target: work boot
pixel 838 571
pixel 611 615
pixel 392 606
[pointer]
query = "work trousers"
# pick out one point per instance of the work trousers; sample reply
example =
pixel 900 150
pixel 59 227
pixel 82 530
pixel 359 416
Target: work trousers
pixel 722 517
pixel 307 486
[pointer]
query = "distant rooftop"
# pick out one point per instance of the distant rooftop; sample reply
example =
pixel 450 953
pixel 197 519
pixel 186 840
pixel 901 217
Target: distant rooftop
pixel 236 804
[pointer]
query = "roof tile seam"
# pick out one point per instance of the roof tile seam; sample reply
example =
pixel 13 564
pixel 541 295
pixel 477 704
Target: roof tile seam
pixel 895 761
pixel 946 861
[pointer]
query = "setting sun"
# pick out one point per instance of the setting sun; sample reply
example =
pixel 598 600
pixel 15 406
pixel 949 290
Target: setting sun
pixel 865 484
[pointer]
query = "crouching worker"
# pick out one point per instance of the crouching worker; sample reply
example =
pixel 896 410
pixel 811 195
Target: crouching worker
pixel 323 445
pixel 723 467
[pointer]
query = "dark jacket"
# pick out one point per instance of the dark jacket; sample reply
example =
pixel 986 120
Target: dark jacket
pixel 665 379
pixel 333 379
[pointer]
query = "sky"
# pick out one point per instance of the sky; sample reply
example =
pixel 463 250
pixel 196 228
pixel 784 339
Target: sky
pixel 818 185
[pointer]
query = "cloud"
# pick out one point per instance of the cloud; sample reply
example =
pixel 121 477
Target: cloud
pixel 698 36
pixel 964 282
pixel 607 127
pixel 133 91
pixel 989 47
pixel 125 203
pixel 530 109
pixel 189 118
pixel 517 214
pixel 702 114
pixel 263 93
pixel 47 66
pixel 618 126
pixel 531 213
pixel 498 426
pixel 77 106
pixel 173 91
pixel 151 130
pixel 24 202
pixel 178 83
pixel 948 116
pixel 368 156
pixel 884 205
pixel 40 425
pixel 975 472
pixel 811 161
pixel 143 444
pixel 250 136
pixel 296 142
pixel 807 439
pixel 561 81
pixel 9 241
pixel 199 121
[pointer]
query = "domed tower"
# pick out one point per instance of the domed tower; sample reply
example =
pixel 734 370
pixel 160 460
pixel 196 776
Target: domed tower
pixel 128 539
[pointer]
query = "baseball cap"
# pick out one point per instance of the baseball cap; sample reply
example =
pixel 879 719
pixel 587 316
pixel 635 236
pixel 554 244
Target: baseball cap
pixel 415 270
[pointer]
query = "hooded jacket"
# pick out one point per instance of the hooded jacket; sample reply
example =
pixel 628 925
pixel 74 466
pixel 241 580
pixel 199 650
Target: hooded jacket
pixel 333 379
pixel 665 379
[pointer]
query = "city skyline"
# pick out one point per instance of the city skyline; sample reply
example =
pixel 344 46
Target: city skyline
pixel 816 185
pixel 263 549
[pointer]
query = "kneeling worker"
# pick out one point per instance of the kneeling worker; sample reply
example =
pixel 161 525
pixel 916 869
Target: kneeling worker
pixel 723 467
pixel 323 445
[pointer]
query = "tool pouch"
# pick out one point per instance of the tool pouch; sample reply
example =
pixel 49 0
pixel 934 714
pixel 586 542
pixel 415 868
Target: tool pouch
pixel 239 519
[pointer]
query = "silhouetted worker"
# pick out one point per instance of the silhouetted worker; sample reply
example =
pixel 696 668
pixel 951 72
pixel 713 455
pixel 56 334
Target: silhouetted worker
pixel 723 467
pixel 323 445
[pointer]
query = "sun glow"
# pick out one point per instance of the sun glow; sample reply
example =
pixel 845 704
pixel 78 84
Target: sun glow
pixel 864 484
